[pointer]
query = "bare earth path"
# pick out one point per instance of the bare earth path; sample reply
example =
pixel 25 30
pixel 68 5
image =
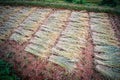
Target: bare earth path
pixel 50 44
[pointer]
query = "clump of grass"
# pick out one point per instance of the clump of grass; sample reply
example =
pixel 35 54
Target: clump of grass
pixel 6 71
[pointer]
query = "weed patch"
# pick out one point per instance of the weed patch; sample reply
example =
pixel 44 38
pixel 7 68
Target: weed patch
pixel 6 71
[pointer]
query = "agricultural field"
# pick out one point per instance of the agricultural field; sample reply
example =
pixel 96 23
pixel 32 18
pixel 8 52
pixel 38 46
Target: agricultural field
pixel 60 44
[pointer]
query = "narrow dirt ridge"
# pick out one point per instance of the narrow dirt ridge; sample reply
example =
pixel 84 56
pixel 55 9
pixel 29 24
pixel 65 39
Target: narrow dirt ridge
pixel 45 43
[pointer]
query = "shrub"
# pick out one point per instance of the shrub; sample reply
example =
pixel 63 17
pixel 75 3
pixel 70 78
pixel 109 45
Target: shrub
pixel 69 0
pixel 109 2
pixel 79 1
pixel 76 1
pixel 118 2
pixel 6 71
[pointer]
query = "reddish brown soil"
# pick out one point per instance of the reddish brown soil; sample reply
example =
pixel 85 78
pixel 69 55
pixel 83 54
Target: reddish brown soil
pixel 30 67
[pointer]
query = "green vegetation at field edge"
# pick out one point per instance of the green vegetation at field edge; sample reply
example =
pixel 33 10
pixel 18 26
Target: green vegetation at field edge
pixel 7 72
pixel 70 6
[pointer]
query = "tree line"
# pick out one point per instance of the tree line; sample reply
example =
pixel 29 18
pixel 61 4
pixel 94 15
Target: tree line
pixel 103 2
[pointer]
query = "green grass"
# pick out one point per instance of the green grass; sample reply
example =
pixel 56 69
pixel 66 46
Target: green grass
pixel 63 5
pixel 6 71
pixel 93 1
